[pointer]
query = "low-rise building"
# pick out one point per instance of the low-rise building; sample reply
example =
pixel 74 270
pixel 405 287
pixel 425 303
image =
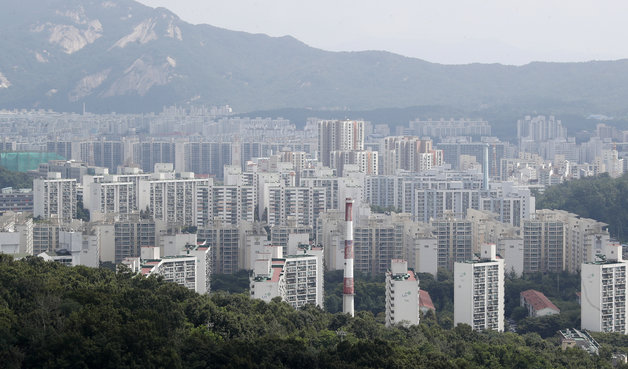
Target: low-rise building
pixel 16 234
pixel 425 302
pixel 17 200
pixel 537 303
pixel 575 338
pixel 76 248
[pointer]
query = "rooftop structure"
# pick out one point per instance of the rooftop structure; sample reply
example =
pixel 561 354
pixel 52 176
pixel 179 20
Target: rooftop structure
pixel 575 338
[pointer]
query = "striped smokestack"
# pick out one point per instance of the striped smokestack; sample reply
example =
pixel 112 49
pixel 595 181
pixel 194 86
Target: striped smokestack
pixel 347 291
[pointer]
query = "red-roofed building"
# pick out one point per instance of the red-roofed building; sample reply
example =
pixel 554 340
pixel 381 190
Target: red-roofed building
pixel 537 304
pixel 425 302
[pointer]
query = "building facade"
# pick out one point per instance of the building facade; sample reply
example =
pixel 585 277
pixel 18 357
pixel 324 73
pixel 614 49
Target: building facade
pixel 402 294
pixel 603 287
pixel 479 291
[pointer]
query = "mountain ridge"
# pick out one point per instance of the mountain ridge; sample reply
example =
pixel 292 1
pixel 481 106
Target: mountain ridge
pixel 124 56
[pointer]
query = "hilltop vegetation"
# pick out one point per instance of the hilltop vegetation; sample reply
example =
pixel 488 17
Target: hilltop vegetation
pixel 57 316
pixel 9 178
pixel 602 198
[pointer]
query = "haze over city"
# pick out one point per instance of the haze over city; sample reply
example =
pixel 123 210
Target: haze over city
pixel 448 32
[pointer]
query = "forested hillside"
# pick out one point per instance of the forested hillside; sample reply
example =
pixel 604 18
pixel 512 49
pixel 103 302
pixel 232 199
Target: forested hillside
pixel 14 179
pixel 53 316
pixel 601 198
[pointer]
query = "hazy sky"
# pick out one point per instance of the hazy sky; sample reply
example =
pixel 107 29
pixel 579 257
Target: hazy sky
pixel 443 31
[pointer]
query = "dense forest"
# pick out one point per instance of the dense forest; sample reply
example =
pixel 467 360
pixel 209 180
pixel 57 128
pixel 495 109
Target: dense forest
pixel 13 179
pixel 57 316
pixel 601 198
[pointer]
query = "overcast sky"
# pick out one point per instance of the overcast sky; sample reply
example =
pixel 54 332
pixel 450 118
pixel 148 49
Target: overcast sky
pixel 442 31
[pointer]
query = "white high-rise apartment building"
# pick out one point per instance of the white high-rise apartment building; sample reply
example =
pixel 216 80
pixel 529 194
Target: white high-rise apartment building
pixel 225 241
pixel 365 161
pixel 604 286
pixel 233 204
pixel 433 193
pixel 110 196
pixel 454 239
pixel 557 240
pixel 339 135
pixel 543 245
pixel 408 153
pixel 175 200
pixel 181 270
pixel 402 294
pixel 54 197
pixel 479 291
pixel 268 279
pixel 297 279
pixel 305 278
pixel 203 254
pixel 303 203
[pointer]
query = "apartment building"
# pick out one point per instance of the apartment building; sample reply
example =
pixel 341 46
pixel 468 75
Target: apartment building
pixel 402 294
pixel 455 241
pixel 232 204
pixel 303 203
pixel 479 291
pixel 603 287
pixel 339 135
pixel 54 197
pixel 175 199
pixel 225 242
pixel 297 279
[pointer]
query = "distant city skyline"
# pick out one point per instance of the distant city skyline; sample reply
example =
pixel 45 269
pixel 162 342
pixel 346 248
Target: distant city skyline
pixel 448 32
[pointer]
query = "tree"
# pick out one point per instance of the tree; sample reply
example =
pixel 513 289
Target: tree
pixel 53 315
pixel 81 212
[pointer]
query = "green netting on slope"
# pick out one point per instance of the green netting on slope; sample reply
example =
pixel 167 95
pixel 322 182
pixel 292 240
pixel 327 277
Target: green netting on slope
pixel 25 161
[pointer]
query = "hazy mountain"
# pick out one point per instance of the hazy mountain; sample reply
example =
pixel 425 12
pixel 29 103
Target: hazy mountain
pixel 119 55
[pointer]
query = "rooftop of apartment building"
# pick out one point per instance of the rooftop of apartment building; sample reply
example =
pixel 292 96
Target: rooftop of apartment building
pixel 603 260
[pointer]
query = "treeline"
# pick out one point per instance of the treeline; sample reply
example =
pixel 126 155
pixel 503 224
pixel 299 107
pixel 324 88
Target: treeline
pixel 601 198
pixel 13 179
pixel 54 316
